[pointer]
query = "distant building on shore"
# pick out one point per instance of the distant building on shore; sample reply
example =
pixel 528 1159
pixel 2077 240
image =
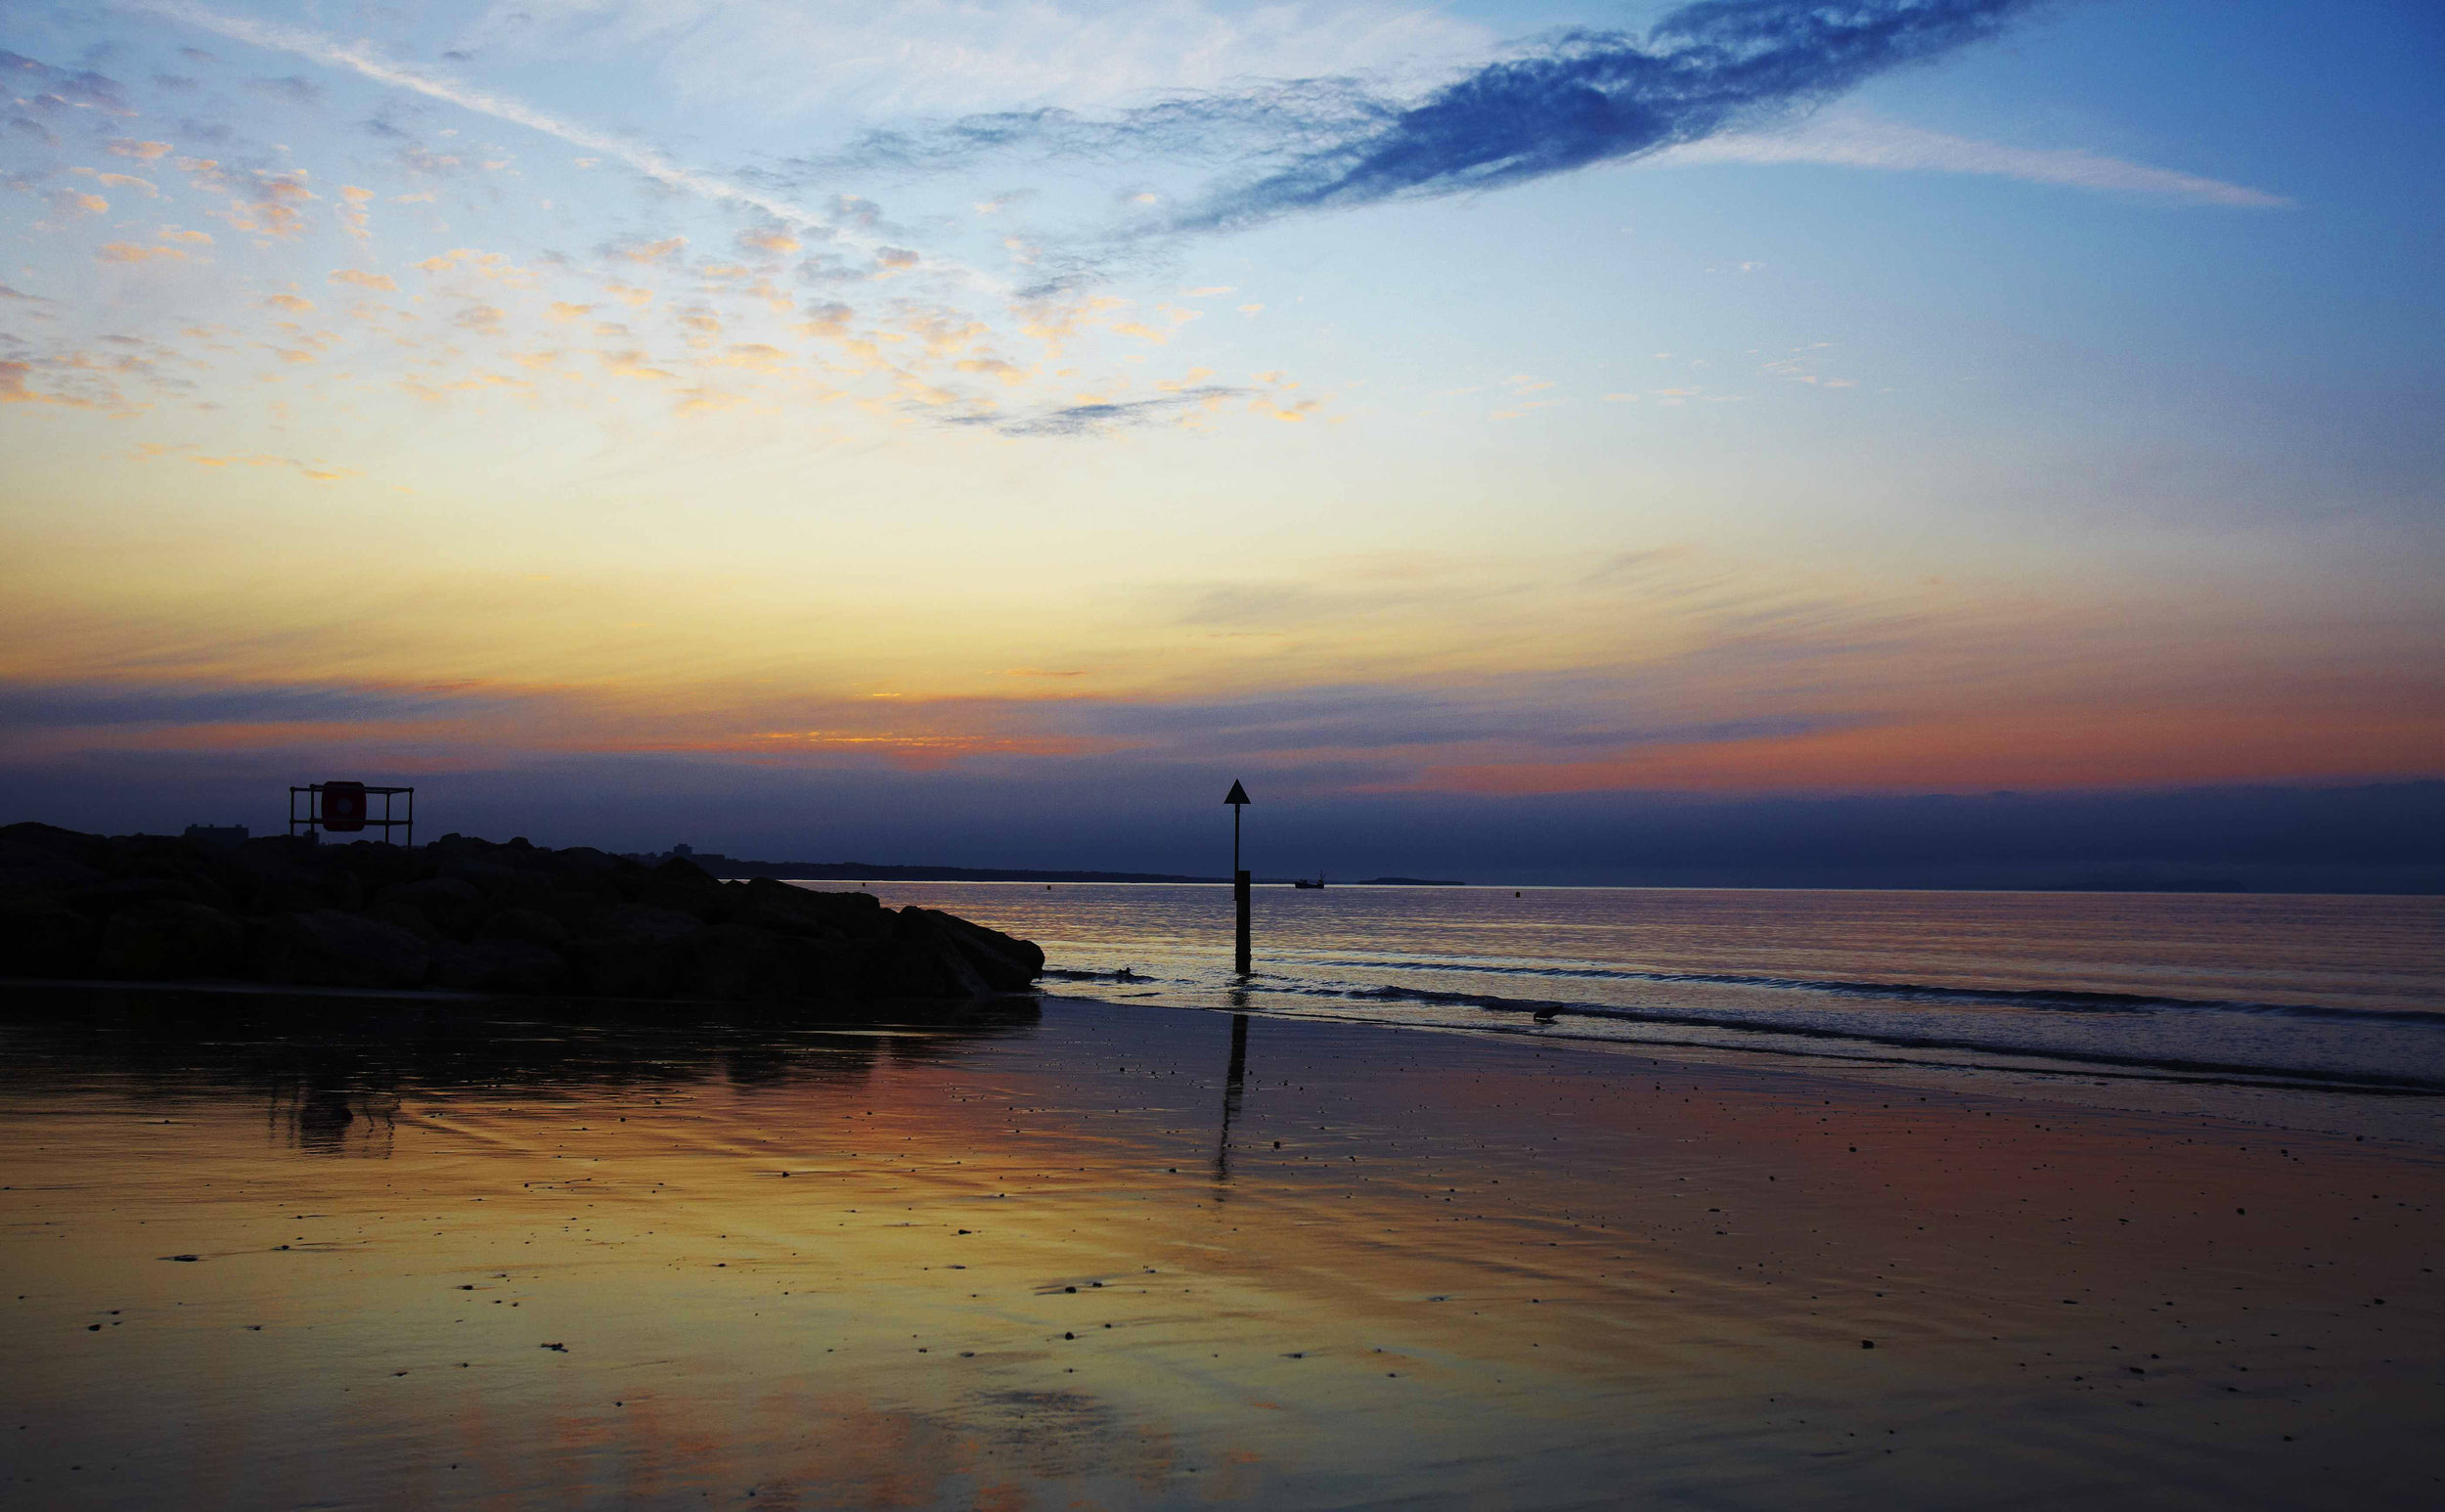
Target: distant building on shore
pixel 709 860
pixel 218 836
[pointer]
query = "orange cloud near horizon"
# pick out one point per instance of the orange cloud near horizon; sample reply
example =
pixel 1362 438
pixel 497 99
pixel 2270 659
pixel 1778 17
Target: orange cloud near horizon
pixel 2070 748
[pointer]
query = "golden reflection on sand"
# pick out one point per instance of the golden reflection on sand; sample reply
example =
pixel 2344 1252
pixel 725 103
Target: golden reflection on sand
pixel 1146 1258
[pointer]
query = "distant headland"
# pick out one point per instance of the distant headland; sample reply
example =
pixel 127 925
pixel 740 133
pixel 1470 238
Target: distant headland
pixel 870 871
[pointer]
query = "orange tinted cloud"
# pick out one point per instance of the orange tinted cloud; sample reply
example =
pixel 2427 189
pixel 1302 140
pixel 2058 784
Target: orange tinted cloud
pixel 132 252
pixel 2063 747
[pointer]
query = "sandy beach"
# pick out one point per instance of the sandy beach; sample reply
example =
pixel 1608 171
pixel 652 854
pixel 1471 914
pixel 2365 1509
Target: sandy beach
pixel 1112 1259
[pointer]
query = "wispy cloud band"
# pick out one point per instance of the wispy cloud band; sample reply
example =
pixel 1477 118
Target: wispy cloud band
pixel 1872 144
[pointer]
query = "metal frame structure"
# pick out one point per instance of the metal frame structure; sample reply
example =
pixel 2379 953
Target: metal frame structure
pixel 311 820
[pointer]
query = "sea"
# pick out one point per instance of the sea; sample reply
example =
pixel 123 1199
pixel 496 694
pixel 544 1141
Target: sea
pixel 2318 1010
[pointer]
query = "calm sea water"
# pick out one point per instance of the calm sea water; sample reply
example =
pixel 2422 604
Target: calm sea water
pixel 2344 994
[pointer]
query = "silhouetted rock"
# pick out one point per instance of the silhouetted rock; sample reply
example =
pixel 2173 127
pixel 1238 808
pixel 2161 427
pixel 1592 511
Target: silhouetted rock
pixel 742 963
pixel 1006 962
pixel 532 925
pixel 683 887
pixel 467 914
pixel 28 860
pixel 407 916
pixel 770 905
pixel 635 949
pixel 330 949
pixel 454 906
pixel 501 967
pixel 170 942
pixel 40 937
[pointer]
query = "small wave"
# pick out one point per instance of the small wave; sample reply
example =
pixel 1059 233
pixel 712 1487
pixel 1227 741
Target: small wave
pixel 2167 1065
pixel 2060 1000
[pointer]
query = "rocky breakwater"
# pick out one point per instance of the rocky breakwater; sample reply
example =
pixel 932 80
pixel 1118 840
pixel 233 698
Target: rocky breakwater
pixel 471 915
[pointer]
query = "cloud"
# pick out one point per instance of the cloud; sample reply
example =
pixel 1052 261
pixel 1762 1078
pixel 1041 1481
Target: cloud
pixel 1096 417
pixel 769 239
pixel 72 87
pixel 134 253
pixel 362 60
pixel 649 252
pixel 12 384
pixel 1589 96
pixel 354 218
pixel 1708 72
pixel 293 89
pixel 88 705
pixel 1860 143
pixel 272 204
pixel 779 57
pixel 364 280
pixel 130 147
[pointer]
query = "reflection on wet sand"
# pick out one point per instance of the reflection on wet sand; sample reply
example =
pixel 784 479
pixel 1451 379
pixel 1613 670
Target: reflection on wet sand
pixel 1234 1086
pixel 1124 1258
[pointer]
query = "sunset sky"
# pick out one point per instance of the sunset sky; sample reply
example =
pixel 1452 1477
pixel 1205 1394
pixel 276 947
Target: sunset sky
pixel 892 417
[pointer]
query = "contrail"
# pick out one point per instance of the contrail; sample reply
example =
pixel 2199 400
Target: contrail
pixel 362 60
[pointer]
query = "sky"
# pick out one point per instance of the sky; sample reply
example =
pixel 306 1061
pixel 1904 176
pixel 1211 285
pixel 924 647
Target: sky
pixel 987 429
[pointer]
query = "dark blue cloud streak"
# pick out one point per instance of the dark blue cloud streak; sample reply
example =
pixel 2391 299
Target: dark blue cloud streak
pixel 1589 96
pixel 1562 101
pixel 27 707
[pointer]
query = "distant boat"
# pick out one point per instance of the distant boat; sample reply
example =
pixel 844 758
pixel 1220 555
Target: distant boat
pixel 1316 886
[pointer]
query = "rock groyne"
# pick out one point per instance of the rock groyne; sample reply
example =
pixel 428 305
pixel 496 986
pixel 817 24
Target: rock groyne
pixel 471 915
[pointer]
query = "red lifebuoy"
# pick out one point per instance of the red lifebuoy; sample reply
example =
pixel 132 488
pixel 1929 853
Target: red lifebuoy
pixel 344 807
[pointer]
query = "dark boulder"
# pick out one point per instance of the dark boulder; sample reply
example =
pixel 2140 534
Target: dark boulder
pixel 635 951
pixel 455 906
pixel 914 965
pixel 169 942
pixel 770 905
pixel 538 895
pixel 740 963
pixel 686 888
pixel 103 899
pixel 27 865
pixel 1006 962
pixel 330 949
pixel 407 916
pixel 501 967
pixel 532 925
pixel 41 937
pixel 178 863
pixel 68 856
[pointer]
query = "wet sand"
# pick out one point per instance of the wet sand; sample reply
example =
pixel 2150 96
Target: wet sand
pixel 1122 1258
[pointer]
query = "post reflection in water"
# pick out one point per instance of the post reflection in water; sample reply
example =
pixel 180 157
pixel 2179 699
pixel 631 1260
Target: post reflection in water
pixel 671 1264
pixel 335 1119
pixel 1234 1081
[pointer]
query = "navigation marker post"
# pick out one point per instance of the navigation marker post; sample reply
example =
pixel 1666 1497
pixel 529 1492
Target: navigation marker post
pixel 1239 799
